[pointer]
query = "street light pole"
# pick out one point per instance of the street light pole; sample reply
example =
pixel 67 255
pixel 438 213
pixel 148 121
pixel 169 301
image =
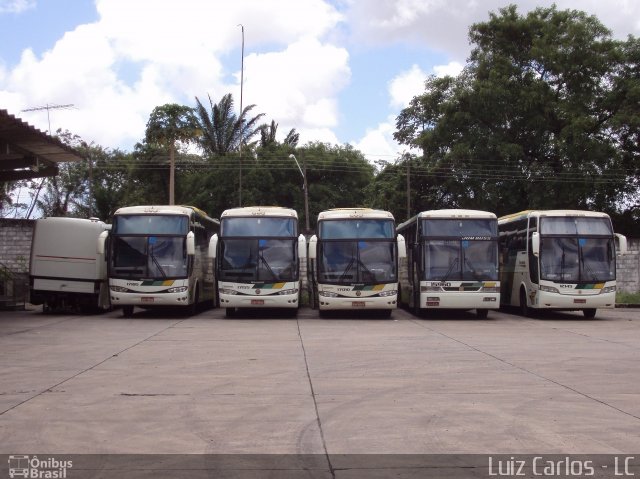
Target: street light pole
pixel 241 118
pixel 305 188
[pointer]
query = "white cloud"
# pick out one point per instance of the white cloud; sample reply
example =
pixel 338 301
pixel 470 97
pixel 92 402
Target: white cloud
pixel 16 6
pixel 298 86
pixel 443 25
pixel 406 85
pixel 378 143
pixel 116 70
pixel 450 69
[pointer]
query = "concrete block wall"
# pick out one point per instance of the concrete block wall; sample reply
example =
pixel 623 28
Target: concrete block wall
pixel 628 272
pixel 15 244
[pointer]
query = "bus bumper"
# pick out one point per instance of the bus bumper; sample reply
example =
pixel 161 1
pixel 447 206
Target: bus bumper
pixel 254 301
pixel 568 302
pixel 455 300
pixel 149 299
pixel 334 304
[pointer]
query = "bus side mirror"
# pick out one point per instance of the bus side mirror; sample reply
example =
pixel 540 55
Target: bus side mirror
pixel 622 243
pixel 213 247
pixel 535 244
pixel 302 247
pixel 191 243
pixel 102 239
pixel 313 244
pixel 402 247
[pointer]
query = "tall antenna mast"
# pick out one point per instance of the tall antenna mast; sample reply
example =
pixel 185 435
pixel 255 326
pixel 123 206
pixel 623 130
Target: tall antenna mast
pixel 48 108
pixel 241 119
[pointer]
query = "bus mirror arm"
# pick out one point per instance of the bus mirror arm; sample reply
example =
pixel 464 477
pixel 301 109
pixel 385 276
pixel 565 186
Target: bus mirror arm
pixel 213 247
pixel 402 247
pixel 302 247
pixel 191 243
pixel 535 243
pixel 102 239
pixel 622 243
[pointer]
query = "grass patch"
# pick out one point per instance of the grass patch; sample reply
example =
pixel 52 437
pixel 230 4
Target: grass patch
pixel 627 298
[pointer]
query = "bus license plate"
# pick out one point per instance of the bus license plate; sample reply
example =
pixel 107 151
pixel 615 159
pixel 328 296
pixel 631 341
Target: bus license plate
pixel 357 304
pixel 257 302
pixel 579 301
pixel 147 299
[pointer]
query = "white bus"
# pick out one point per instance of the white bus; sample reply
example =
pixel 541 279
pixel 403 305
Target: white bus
pixel 452 261
pixel 66 270
pixel 157 257
pixel 354 260
pixel 558 260
pixel 257 258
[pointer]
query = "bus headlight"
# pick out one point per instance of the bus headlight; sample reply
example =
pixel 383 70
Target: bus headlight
pixel 327 294
pixel 178 289
pixel 549 289
pixel 227 291
pixel 608 289
pixel 120 289
pixel 393 292
pixel 288 291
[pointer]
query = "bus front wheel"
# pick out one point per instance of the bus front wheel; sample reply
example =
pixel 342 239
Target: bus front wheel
pixel 230 312
pixel 482 313
pixel 127 311
pixel 589 313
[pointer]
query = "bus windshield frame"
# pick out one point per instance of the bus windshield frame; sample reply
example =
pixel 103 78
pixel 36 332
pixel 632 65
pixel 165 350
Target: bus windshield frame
pixel 576 250
pixel 459 249
pixel 145 246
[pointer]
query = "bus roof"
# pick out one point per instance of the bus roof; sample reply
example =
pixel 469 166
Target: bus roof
pixel 260 211
pixel 160 210
pixel 538 213
pixel 349 213
pixel 450 213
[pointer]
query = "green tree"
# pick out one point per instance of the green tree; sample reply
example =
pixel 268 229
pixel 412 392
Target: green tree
pixel 167 125
pixel 540 117
pixel 221 130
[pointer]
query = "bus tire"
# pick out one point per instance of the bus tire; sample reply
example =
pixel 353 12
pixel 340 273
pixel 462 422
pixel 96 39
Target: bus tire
pixel 127 311
pixel 192 309
pixel 482 313
pixel 525 310
pixel 589 313
pixel 230 312
pixel 385 313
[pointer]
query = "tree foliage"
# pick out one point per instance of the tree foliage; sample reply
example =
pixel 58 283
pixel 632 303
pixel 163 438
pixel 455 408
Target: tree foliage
pixel 542 116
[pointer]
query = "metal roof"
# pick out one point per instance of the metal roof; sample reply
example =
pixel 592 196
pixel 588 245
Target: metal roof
pixel 26 152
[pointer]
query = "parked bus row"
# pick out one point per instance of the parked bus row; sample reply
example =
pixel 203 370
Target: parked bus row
pixel 158 256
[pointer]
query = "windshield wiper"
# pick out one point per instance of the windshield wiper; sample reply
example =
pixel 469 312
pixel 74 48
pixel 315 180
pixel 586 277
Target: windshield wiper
pixel 450 270
pixel 349 266
pixel 264 261
pixel 586 266
pixel 157 263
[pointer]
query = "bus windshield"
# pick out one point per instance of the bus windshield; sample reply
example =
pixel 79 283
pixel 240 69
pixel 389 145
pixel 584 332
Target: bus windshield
pixel 149 257
pixel 150 225
pixel 575 225
pixel 356 229
pixel 570 259
pixel 260 227
pixel 348 262
pixel 258 260
pixel 460 260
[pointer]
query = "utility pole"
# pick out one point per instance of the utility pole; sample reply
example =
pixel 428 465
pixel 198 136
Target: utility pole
pixel 305 188
pixel 241 118
pixel 408 186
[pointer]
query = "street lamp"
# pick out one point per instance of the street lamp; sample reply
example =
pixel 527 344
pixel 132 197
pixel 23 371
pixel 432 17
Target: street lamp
pixel 305 188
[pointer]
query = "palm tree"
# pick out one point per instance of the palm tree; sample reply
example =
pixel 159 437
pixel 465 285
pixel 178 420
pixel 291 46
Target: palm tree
pixel 168 124
pixel 221 130
pixel 268 135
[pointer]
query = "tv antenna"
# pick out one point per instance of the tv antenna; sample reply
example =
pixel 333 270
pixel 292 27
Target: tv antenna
pixel 48 108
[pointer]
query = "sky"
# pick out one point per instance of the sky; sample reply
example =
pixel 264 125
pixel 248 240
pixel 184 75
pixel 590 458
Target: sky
pixel 338 71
